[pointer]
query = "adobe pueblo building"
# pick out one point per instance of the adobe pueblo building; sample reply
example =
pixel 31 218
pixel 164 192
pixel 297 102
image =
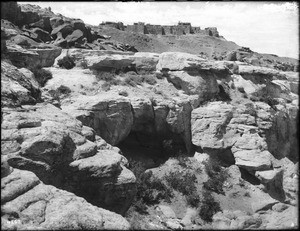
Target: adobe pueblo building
pixel 183 28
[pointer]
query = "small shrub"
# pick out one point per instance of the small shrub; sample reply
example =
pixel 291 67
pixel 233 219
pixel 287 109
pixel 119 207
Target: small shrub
pixel 242 182
pixel 41 75
pixel 136 167
pixel 123 93
pixel 106 76
pixel 67 62
pixel 150 189
pixel 234 194
pixel 247 194
pixel 133 80
pixel 182 161
pixel 84 64
pixel 149 79
pixel 106 86
pixel 208 207
pixel 217 176
pixel 184 183
pixel 159 75
pixel 140 207
pixel 63 90
pixel 271 101
pixel 241 89
pixel 193 199
pixel 232 86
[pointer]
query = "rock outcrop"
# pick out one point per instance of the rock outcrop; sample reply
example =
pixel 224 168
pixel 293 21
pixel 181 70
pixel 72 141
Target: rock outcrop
pixel 52 144
pixel 17 88
pixel 27 203
pixel 61 168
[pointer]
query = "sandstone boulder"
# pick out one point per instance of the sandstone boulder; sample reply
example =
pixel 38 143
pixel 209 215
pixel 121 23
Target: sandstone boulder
pixel 17 88
pixel 166 211
pixel 259 74
pixel 208 124
pixel 41 34
pixel 253 159
pixel 50 143
pixel 109 62
pixel 143 115
pixel 47 56
pixel 204 84
pixel 179 61
pixel 229 220
pixel 179 122
pixel 34 205
pixel 32 57
pixel 76 36
pixel 145 62
pixel 113 183
pixel 190 214
pixel 56 21
pixel 286 218
pixel 24 41
pixel 110 117
pixel 64 29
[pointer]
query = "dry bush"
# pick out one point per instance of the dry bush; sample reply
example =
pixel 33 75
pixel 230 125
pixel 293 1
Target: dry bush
pixel 41 75
pixel 217 176
pixel 208 207
pixel 184 183
pixel 150 79
pixel 67 62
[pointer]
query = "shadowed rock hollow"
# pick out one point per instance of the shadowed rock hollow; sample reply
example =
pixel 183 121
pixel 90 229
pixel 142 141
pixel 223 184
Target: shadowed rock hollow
pixel 136 140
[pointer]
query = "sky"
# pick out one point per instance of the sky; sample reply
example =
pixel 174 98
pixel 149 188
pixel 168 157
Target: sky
pixel 264 27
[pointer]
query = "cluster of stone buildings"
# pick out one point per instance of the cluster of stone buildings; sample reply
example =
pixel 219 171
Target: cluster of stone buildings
pixel 181 29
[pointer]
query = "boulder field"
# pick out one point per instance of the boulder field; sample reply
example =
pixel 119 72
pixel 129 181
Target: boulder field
pixel 66 153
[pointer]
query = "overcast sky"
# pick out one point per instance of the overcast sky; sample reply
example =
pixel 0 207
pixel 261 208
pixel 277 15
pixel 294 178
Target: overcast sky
pixel 265 27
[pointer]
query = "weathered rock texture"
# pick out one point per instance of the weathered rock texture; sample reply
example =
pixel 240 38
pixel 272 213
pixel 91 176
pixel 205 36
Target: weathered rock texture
pixel 57 165
pixel 52 144
pixel 17 88
pixel 27 203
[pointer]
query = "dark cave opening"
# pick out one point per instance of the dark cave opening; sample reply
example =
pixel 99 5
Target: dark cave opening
pixel 151 150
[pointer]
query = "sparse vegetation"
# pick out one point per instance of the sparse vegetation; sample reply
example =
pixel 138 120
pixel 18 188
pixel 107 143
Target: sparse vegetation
pixel 109 78
pixel 241 89
pixel 208 207
pixel 66 62
pixel 63 90
pixel 159 75
pixel 271 101
pixel 242 182
pixel 182 161
pixel 184 183
pixel 132 80
pixel 150 189
pixel 106 86
pixel 41 75
pixel 149 79
pixel 193 199
pixel 247 194
pixel 84 64
pixel 217 176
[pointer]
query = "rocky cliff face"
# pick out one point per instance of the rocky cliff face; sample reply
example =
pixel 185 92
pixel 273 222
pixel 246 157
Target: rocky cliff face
pixel 168 140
